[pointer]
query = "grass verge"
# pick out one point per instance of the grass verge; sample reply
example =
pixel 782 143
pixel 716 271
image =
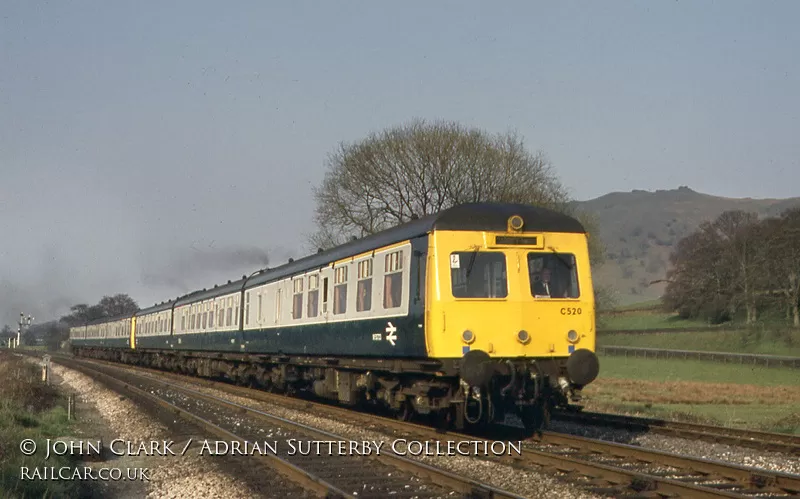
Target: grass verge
pixel 731 395
pixel 756 341
pixel 30 409
pixel 646 319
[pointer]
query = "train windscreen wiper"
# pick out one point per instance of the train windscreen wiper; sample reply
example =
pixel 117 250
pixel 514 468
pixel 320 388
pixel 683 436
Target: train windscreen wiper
pixel 561 258
pixel 471 263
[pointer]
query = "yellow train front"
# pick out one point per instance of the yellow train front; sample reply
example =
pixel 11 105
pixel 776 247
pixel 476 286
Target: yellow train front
pixel 511 298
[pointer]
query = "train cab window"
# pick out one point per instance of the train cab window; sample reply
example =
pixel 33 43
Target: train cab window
pixel 313 296
pixel 297 299
pixel 553 275
pixel 340 290
pixel 478 274
pixel 364 288
pixel 393 280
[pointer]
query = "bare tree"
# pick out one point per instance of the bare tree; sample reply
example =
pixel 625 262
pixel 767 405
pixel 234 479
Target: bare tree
pixel 418 169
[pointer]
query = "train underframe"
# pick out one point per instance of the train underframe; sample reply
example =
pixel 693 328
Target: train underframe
pixel 468 393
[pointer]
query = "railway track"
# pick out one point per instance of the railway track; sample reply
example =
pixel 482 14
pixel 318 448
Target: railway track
pixel 760 440
pixel 334 474
pixel 598 466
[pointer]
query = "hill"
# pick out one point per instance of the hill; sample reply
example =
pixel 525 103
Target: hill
pixel 640 229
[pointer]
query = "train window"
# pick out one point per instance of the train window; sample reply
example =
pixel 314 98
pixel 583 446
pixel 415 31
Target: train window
pixel 247 308
pixel 260 304
pixel 393 280
pixel 312 309
pixel 297 306
pixel 205 320
pixel 297 299
pixel 553 275
pixel 364 289
pixel 229 320
pixel 340 299
pixel 340 290
pixel 236 308
pixel 221 312
pixel 313 303
pixel 478 274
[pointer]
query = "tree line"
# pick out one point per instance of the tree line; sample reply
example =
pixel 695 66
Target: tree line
pixel 737 264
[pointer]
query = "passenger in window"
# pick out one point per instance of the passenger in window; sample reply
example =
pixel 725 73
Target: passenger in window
pixel 364 295
pixel 541 284
pixel 392 290
pixel 548 287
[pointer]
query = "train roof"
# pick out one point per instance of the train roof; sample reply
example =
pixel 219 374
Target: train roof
pixel 204 294
pixel 158 307
pixel 115 318
pixel 466 217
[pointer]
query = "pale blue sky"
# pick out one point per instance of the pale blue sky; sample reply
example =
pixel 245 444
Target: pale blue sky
pixel 135 135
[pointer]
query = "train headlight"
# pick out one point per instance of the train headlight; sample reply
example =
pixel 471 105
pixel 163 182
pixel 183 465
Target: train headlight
pixel 515 222
pixel 523 337
pixel 468 336
pixel 572 336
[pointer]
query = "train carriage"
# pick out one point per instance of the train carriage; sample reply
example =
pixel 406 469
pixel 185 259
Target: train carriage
pixel 479 310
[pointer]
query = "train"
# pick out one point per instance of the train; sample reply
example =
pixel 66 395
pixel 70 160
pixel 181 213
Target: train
pixel 465 316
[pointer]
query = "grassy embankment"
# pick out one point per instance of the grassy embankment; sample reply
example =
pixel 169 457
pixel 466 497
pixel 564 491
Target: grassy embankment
pixel 733 395
pixel 770 336
pixel 30 409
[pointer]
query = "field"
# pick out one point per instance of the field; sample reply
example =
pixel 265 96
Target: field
pixel 731 395
pixel 644 319
pixel 29 409
pixel 770 342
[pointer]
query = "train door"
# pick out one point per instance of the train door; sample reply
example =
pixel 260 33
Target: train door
pixel 325 298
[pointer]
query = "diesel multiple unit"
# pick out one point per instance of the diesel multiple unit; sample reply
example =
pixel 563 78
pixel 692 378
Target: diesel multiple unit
pixel 479 310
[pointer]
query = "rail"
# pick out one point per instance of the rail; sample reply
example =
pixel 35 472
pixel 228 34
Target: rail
pixel 726 357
